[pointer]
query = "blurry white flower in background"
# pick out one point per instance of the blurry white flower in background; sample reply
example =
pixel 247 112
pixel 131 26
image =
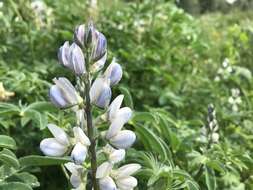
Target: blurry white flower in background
pixel 231 1
pixel 43 13
pixel 235 99
pixel 225 71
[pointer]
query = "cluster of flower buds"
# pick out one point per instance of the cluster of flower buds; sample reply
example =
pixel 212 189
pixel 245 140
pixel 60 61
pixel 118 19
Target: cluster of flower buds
pixel 86 57
pixel 210 131
pixel 225 71
pixel 235 99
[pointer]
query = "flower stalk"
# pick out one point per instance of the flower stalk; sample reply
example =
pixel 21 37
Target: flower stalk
pixel 86 57
pixel 90 130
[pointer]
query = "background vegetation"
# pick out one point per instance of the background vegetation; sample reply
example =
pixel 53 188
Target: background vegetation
pixel 173 68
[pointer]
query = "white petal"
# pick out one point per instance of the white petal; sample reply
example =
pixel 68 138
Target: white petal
pixel 59 134
pixel 80 136
pixel 114 128
pixel 127 170
pixel 51 147
pixel 126 183
pixel 107 183
pixel 124 114
pixel 124 139
pixel 114 107
pixel 96 89
pixel 103 170
pixel 73 168
pixel 117 155
pixel 98 65
pixel 75 180
pixel 79 153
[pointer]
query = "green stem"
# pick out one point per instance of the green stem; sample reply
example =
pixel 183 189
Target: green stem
pixel 90 130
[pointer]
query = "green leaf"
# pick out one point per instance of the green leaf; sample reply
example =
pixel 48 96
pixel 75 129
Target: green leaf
pixel 192 185
pixel 9 158
pixel 143 117
pixel 210 178
pixel 14 186
pixel 7 142
pixel 38 118
pixel 6 108
pixel 34 160
pixel 26 178
pixel 41 107
pixel 152 140
pixel 128 100
pixel 216 165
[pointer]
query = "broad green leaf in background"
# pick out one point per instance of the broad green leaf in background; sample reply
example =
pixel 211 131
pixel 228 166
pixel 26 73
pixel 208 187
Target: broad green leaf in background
pixel 7 142
pixel 210 178
pixel 34 160
pixel 15 186
pixel 9 158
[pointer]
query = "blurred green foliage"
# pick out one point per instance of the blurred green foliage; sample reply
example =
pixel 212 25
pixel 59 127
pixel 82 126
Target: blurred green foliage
pixel 170 60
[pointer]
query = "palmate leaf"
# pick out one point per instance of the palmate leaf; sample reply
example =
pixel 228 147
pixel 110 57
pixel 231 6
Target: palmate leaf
pixel 7 142
pixel 7 108
pixel 34 160
pixel 26 178
pixel 9 158
pixel 150 139
pixel 15 186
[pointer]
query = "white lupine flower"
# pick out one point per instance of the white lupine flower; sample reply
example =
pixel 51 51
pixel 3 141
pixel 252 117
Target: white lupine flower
pixel 114 155
pixel 117 116
pixel 113 72
pixel 104 170
pixel 79 153
pixel 52 147
pixel 76 173
pixel 56 146
pixel 126 183
pixel 63 93
pixel 124 139
pixel 115 106
pixel 107 183
pixel 126 170
pixel 59 145
pixel 100 92
pixel 117 179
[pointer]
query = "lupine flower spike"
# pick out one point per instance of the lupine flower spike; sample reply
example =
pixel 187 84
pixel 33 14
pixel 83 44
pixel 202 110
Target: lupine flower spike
pixel 86 57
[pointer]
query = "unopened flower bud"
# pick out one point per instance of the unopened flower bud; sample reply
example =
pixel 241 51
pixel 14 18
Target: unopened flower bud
pixel 99 46
pixel 100 93
pixel 72 57
pixel 77 61
pixel 79 35
pixel 79 153
pixel 113 72
pixel 64 54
